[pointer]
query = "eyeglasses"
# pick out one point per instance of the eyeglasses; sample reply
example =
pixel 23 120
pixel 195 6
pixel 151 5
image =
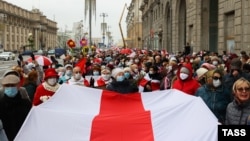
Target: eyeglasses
pixel 216 78
pixel 247 89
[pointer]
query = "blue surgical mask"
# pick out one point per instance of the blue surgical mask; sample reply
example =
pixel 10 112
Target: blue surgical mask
pixel 68 72
pixel 127 75
pixel 11 91
pixel 120 78
pixel 95 73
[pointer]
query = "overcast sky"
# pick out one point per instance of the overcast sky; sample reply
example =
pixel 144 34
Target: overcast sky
pixel 66 12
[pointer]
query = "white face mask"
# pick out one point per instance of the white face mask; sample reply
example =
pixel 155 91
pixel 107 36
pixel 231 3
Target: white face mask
pixel 216 83
pixel 52 81
pixel 106 76
pixel 77 76
pixel 215 63
pixel 183 76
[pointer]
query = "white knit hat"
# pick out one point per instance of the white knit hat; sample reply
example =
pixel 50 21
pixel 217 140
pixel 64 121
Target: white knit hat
pixel 201 71
pixel 127 69
pixel 116 71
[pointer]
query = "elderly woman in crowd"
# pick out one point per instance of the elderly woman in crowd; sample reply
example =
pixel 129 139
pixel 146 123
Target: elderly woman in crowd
pixel 238 110
pixel 46 89
pixel 214 94
pixel 104 79
pixel 120 84
pixel 185 81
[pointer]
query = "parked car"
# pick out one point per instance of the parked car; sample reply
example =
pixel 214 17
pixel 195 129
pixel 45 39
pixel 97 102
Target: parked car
pixel 27 52
pixel 51 52
pixel 40 52
pixel 59 52
pixel 7 56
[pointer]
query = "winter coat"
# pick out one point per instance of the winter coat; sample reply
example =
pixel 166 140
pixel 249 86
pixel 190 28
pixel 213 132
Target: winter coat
pixel 3 136
pixel 31 89
pixel 123 87
pixel 216 100
pixel 237 113
pixel 189 85
pixel 13 112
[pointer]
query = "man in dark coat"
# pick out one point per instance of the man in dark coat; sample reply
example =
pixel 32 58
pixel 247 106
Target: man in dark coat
pixel 14 105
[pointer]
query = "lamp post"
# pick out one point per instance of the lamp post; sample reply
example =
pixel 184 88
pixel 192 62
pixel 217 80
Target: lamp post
pixel 79 33
pixel 160 31
pixel 103 26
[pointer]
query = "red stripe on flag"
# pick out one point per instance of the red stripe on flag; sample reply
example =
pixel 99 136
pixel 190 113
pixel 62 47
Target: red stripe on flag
pixel 122 118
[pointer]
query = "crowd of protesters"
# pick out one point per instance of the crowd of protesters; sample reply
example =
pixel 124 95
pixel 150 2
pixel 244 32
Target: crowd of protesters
pixel 221 80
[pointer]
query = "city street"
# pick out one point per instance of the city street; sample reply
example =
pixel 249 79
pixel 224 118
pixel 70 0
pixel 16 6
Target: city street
pixel 6 65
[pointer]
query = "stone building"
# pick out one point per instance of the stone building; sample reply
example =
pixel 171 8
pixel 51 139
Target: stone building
pixel 214 25
pixel 17 25
pixel 134 25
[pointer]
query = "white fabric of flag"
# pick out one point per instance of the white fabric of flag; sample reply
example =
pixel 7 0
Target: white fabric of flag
pixel 77 113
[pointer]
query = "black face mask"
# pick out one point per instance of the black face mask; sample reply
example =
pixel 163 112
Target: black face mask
pixel 202 81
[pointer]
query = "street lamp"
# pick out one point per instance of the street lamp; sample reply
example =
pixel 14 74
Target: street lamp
pixel 103 26
pixel 160 31
pixel 79 32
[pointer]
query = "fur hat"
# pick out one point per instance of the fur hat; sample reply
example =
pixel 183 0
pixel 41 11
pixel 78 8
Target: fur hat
pixel 68 65
pixel 116 71
pixel 50 72
pixel 201 71
pixel 10 79
pixel 127 69
pixel 10 72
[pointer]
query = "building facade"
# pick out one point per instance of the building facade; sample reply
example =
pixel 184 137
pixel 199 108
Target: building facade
pixel 134 25
pixel 214 25
pixel 18 25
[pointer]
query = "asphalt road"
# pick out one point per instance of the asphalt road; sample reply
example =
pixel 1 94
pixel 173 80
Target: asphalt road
pixel 7 65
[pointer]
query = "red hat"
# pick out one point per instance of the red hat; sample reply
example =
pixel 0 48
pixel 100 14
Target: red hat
pixel 50 72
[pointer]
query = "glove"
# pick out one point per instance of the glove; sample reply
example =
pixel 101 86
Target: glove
pixel 92 81
pixel 83 75
pixel 44 98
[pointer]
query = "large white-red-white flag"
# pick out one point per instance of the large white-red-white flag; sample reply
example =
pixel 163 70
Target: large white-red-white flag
pixel 77 113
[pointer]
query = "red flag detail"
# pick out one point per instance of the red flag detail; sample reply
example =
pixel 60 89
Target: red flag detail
pixel 128 117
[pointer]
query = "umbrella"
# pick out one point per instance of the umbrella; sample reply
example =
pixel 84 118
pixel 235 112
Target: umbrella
pixel 41 60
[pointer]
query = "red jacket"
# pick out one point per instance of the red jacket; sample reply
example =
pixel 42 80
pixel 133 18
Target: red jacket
pixel 41 91
pixel 190 85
